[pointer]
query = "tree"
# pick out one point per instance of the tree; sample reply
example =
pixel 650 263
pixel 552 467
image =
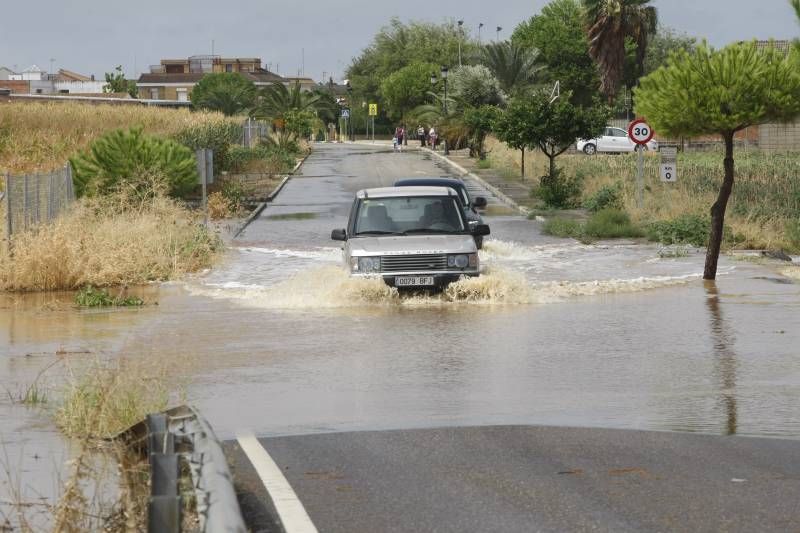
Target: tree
pixel 474 86
pixel 609 23
pixel 227 92
pixel 479 122
pixel 407 88
pixel 117 83
pixel 514 66
pixel 288 108
pixel 559 36
pixel 796 5
pixel 663 44
pixel 720 92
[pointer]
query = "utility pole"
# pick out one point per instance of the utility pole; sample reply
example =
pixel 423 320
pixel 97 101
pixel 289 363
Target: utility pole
pixel 460 32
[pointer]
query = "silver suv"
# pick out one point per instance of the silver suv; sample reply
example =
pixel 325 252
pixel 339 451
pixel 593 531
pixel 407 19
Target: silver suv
pixel 414 237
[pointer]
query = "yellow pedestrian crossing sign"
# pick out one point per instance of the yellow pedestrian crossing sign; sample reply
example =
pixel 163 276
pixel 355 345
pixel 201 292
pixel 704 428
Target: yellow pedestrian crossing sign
pixel 373 110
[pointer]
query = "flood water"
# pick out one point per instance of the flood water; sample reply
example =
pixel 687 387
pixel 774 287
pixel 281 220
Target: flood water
pixel 278 339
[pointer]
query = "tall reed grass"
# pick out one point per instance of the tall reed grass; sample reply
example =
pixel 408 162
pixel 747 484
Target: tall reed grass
pixel 106 241
pixel 38 136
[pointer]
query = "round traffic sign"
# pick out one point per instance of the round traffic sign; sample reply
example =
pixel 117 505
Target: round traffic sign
pixel 640 131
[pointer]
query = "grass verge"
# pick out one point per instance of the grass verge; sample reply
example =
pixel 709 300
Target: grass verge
pixel 605 224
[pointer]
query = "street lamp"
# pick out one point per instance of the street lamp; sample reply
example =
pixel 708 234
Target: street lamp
pixel 499 29
pixel 444 71
pixel 480 25
pixel 460 26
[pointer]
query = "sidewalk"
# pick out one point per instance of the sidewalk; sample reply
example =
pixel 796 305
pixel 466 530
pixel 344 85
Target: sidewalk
pixel 517 190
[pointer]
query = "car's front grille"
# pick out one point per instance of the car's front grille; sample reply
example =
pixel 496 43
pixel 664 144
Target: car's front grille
pixel 409 263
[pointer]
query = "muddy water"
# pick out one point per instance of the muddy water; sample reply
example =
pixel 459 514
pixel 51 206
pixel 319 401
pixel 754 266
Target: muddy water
pixel 279 340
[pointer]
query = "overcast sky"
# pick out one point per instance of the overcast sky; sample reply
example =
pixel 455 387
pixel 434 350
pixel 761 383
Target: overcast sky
pixel 92 36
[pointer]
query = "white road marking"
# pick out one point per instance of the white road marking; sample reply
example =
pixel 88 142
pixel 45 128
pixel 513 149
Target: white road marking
pixel 290 509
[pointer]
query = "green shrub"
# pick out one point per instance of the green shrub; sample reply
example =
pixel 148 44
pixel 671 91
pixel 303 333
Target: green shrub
pixel 686 229
pixel 129 160
pixel 559 191
pixel 275 160
pixel 483 164
pixel 611 224
pixel 234 193
pixel 563 227
pixel 91 297
pixel 607 197
pixel 218 136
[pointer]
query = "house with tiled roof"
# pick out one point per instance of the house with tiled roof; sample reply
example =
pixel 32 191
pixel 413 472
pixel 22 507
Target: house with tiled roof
pixel 173 79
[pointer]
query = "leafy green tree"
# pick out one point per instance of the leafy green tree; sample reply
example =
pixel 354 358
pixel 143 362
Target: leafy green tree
pixel 663 44
pixel 117 83
pixel 276 100
pixel 132 160
pixel 796 5
pixel 610 23
pixel 478 121
pixel 720 92
pixel 300 123
pixel 552 126
pixel 513 65
pixel 407 88
pixel 474 86
pixel 559 36
pixel 227 92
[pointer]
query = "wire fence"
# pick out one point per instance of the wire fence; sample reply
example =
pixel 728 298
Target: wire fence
pixel 253 132
pixel 33 199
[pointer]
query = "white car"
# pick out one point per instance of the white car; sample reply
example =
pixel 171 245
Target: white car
pixel 614 140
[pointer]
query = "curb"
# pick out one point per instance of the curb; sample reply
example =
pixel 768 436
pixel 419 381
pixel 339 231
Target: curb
pixel 271 196
pixel 494 190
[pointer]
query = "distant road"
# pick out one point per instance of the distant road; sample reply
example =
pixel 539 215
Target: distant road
pixel 517 478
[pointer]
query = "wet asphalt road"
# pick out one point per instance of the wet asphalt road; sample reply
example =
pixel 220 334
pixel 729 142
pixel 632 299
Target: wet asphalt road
pixel 573 363
pixel 522 479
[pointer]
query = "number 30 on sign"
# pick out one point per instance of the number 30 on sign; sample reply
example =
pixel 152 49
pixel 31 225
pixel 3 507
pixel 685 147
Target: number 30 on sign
pixel 640 132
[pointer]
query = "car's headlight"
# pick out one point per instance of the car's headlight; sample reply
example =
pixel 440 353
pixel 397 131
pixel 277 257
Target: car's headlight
pixel 462 260
pixel 369 265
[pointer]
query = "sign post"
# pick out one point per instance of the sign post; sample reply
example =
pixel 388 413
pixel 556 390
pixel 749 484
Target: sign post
pixel 669 167
pixel 640 132
pixel 205 173
pixel 373 111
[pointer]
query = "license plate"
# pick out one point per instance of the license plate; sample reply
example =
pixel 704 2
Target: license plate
pixel 413 281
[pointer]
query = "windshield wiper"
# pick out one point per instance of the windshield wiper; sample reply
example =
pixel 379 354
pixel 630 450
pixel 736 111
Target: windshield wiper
pixel 377 232
pixel 430 230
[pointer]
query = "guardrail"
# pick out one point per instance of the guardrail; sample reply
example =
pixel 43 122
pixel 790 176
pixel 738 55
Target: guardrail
pixel 182 437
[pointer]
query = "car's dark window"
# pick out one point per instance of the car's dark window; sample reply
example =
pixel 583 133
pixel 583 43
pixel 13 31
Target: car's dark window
pixel 411 213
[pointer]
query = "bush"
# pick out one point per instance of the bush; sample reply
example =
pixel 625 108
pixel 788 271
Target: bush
pixel 218 136
pixel 562 227
pixel 218 206
pixel 560 192
pixel 267 159
pixel 610 224
pixel 686 229
pixel 607 197
pixel 91 297
pixel 130 160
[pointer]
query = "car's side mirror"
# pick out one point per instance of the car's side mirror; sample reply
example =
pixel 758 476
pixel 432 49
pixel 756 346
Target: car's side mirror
pixel 479 201
pixel 339 235
pixel 481 229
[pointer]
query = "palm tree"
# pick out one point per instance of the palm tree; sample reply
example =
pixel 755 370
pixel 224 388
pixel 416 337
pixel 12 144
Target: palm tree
pixel 513 66
pixel 796 6
pixel 609 23
pixel 275 100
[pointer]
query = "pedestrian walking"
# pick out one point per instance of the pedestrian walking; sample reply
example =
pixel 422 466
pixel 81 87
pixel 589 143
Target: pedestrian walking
pixel 433 137
pixel 399 132
pixel 394 142
pixel 421 135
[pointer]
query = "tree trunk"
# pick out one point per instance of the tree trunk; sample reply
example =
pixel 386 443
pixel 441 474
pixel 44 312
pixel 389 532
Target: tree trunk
pixel 718 212
pixel 552 159
pixel 523 164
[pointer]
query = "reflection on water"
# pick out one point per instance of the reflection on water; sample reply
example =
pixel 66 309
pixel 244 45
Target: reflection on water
pixel 725 365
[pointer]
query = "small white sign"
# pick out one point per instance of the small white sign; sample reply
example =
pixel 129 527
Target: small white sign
pixel 669 173
pixel 668 153
pixel 345 113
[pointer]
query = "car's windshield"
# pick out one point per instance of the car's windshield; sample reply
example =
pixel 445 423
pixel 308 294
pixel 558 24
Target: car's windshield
pixel 411 214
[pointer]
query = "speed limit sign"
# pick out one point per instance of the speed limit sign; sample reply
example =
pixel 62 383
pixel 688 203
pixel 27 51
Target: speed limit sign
pixel 640 131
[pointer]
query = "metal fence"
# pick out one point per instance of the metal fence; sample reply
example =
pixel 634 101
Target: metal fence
pixel 33 199
pixel 253 132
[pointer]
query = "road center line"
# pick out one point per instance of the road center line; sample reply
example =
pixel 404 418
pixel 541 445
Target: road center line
pixel 290 509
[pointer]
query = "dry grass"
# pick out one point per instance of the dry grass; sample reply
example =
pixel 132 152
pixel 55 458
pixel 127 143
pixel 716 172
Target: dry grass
pixel 42 136
pixel 766 194
pixel 103 242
